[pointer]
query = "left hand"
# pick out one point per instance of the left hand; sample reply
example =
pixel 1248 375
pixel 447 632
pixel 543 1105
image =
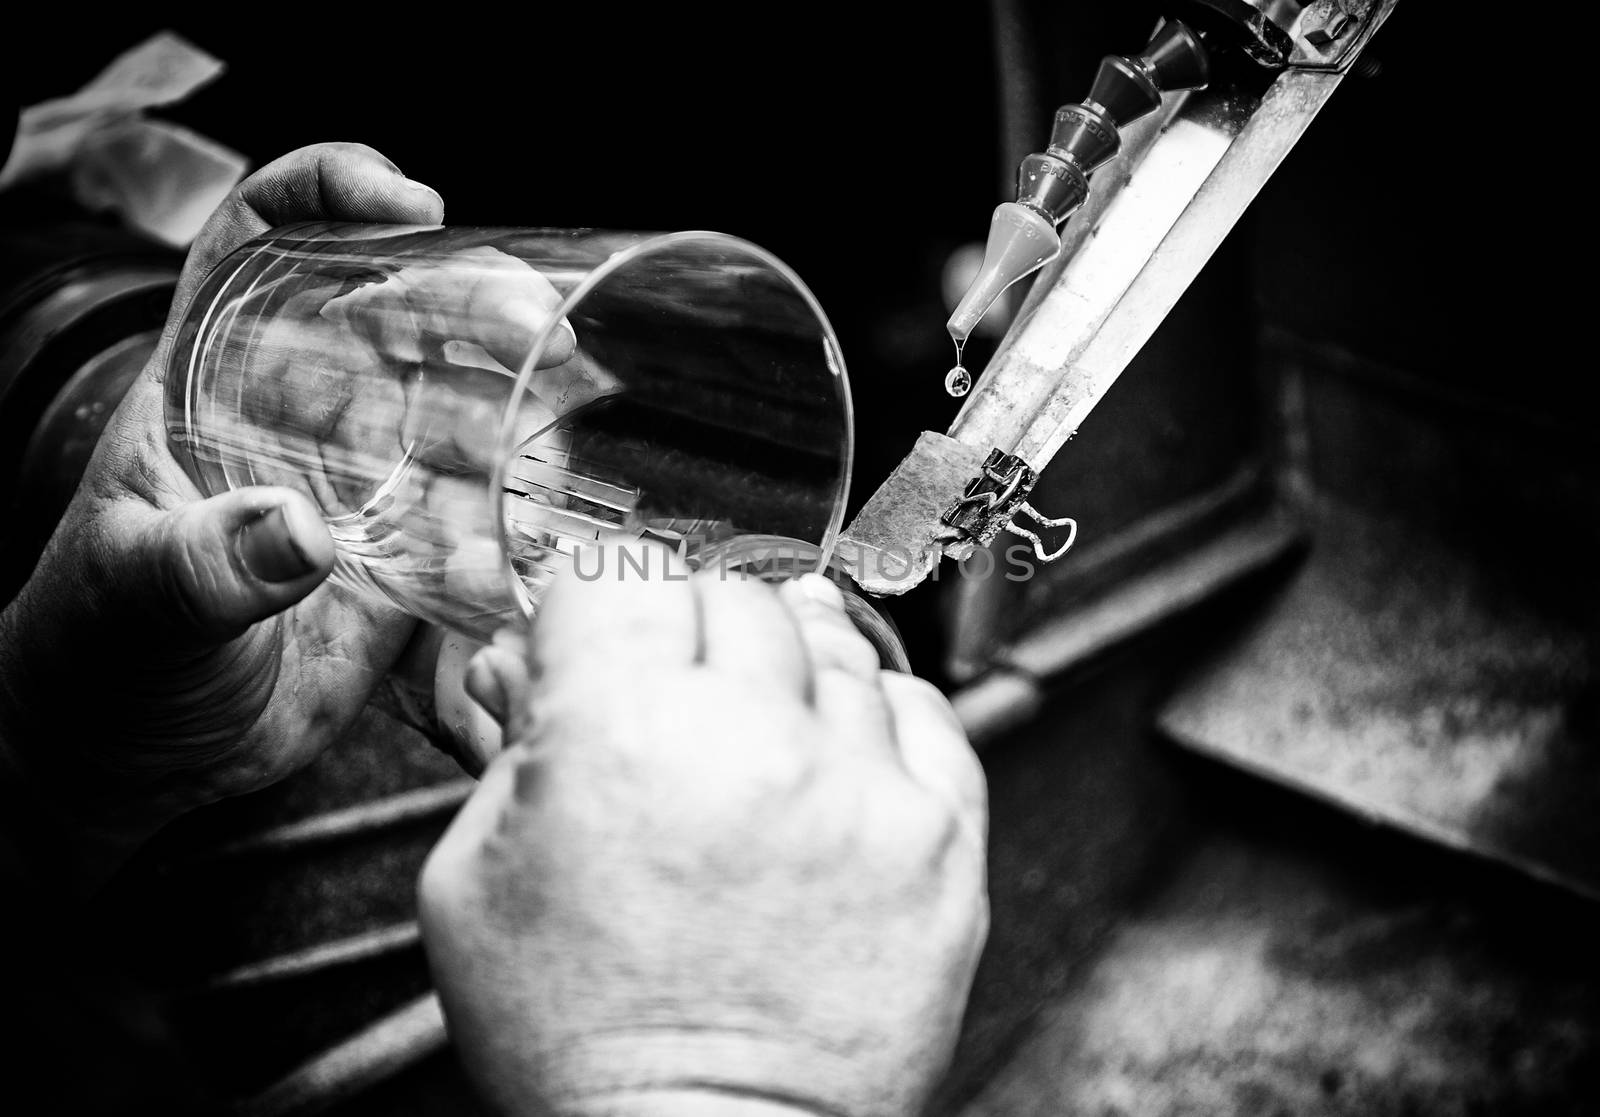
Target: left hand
pixel 171 650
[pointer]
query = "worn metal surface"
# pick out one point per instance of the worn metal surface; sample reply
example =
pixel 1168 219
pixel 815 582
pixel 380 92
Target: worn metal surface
pixel 898 538
pixel 1266 977
pixel 1434 663
pixel 1204 942
pixel 1400 678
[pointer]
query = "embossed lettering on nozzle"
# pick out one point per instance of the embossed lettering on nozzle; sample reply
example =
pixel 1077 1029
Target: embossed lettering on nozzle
pixel 1053 184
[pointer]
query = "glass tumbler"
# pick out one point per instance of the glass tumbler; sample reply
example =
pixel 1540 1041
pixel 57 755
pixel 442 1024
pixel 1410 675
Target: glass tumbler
pixel 469 408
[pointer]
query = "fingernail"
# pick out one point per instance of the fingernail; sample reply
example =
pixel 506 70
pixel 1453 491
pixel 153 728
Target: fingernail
pixel 268 549
pixel 821 590
pixel 421 188
pixel 562 345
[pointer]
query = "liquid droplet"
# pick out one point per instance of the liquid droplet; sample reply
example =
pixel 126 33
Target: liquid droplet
pixel 958 381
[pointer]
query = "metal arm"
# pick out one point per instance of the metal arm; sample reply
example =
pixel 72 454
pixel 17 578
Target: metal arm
pixel 1182 177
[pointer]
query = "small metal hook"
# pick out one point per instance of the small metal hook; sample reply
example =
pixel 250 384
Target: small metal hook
pixel 1044 521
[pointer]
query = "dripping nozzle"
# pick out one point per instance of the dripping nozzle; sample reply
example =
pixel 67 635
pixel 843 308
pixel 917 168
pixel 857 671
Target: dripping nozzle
pixel 1020 241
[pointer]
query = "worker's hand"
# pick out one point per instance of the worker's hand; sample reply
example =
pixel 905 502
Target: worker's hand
pixel 354 374
pixel 170 650
pixel 726 866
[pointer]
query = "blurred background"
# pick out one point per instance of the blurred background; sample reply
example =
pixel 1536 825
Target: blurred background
pixel 1298 815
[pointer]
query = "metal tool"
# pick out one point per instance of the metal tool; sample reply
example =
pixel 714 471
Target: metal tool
pixel 1169 182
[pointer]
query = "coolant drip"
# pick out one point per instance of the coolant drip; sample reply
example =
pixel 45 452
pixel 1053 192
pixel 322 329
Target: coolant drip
pixel 958 381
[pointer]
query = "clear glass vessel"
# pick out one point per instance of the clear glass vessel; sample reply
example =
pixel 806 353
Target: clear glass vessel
pixel 469 407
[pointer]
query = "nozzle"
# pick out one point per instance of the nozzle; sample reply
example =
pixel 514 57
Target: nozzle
pixel 1052 184
pixel 1020 241
pixel 1175 58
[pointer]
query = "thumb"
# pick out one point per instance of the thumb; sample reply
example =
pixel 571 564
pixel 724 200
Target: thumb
pixel 217 566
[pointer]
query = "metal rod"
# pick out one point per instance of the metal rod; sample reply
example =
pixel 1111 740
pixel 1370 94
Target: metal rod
pixel 379 1052
pixel 376 814
pixel 314 959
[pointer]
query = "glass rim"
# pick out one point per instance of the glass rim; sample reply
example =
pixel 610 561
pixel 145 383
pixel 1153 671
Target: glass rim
pixel 647 245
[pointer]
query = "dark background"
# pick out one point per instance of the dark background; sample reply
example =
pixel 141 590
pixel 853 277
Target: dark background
pixel 1430 227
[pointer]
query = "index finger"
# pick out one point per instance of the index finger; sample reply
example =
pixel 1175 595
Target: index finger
pixel 621 608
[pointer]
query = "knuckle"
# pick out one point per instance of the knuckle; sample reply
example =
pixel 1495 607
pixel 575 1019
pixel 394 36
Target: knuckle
pixel 434 880
pixel 966 770
pixel 439 883
pixel 911 830
pixel 837 645
pixel 917 691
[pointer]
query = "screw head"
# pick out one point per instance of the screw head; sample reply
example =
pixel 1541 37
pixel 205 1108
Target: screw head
pixel 1323 22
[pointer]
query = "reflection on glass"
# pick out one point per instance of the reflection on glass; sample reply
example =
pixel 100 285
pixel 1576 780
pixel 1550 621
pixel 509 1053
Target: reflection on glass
pixel 468 406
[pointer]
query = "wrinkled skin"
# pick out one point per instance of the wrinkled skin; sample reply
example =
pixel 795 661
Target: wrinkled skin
pixel 353 379
pixel 378 390
pixel 170 650
pixel 725 866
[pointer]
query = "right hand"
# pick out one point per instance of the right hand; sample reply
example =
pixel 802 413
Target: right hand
pixel 726 865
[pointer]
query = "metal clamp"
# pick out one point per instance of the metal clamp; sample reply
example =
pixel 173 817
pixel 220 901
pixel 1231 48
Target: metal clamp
pixel 993 500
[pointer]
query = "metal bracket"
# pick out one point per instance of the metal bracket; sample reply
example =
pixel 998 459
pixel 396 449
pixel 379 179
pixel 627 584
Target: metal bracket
pixel 1329 34
pixel 1320 35
pixel 994 499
